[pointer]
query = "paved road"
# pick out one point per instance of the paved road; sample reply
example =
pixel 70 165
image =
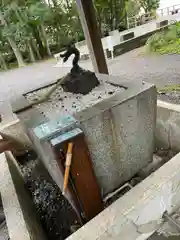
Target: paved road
pixel 133 65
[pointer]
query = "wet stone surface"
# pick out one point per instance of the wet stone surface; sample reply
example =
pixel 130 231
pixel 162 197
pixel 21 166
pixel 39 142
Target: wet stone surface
pixel 61 102
pixel 56 214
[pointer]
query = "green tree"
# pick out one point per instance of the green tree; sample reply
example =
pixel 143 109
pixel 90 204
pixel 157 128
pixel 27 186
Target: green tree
pixel 8 30
pixel 33 29
pixel 133 8
pixel 149 5
pixel 4 48
pixel 38 14
pixel 111 14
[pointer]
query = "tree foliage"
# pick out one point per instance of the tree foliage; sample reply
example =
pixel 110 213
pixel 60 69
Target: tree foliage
pixel 111 14
pixel 165 42
pixel 34 29
pixel 31 30
pixel 149 5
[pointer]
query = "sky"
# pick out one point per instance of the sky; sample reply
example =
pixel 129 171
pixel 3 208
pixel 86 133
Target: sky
pixel 168 3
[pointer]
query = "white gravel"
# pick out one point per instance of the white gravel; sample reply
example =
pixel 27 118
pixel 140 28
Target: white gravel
pixel 62 102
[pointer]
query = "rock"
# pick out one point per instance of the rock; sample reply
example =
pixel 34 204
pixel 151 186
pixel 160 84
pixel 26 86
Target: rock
pixel 80 82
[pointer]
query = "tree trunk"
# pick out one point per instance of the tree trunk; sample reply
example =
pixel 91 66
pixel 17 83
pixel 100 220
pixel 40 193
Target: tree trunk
pixel 99 20
pixel 44 35
pixel 3 62
pixel 13 44
pixel 68 4
pixel 116 10
pixel 16 52
pixel 36 35
pixel 31 53
pixel 111 16
pixel 35 48
pixel 126 19
pixel 54 3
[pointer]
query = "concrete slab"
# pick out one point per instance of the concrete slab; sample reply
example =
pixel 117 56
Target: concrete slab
pixel 168 125
pixel 138 214
pixel 119 132
pixel 15 130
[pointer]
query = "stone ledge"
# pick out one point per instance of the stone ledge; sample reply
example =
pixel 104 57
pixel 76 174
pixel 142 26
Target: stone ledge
pixel 168 125
pixel 138 214
pixel 20 214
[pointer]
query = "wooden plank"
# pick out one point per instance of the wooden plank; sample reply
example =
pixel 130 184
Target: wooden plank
pixel 92 35
pixel 84 179
pixel 84 182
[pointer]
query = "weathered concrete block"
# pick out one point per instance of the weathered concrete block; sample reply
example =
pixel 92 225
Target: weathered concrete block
pixel 138 214
pixel 120 134
pixel 127 36
pixel 174 132
pixel 162 134
pixel 162 24
pixel 20 214
pixel 15 130
pixel 168 126
pixel 114 33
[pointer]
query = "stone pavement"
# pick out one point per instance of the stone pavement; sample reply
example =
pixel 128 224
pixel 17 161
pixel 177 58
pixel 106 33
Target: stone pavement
pixel 160 70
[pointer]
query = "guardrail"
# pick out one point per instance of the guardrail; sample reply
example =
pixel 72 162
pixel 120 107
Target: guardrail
pixel 147 17
pixel 169 10
pixel 135 21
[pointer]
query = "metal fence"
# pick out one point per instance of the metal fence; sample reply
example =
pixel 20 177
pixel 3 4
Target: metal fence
pixel 147 17
pixel 169 10
pixel 140 20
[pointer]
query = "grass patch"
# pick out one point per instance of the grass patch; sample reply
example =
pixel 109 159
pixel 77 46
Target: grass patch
pixel 165 42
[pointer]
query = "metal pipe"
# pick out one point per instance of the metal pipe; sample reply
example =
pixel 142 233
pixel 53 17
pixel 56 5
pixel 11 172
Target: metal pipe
pixel 111 195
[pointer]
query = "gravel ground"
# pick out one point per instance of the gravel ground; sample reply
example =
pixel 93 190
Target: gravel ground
pixel 62 102
pixel 56 214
